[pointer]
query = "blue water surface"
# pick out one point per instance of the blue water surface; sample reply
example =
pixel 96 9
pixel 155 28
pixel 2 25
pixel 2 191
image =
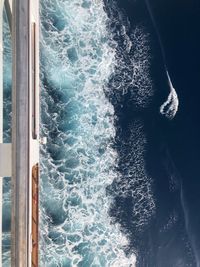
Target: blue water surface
pixel 7 86
pixel 79 160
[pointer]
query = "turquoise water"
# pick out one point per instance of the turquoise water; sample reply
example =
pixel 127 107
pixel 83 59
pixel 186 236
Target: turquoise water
pixel 79 161
pixel 7 83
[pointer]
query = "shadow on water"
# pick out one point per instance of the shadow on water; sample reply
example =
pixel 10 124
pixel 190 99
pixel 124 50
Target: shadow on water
pixel 147 192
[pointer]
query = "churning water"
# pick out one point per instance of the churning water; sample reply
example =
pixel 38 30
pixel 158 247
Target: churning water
pixel 80 56
pixel 78 162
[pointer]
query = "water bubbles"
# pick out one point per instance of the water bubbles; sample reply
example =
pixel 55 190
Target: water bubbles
pixel 78 162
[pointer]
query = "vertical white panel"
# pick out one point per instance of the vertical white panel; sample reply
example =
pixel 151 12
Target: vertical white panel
pixel 5 160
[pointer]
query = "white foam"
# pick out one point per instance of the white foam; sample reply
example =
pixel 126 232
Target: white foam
pixel 79 162
pixel 132 59
pixel 170 107
pixel 135 182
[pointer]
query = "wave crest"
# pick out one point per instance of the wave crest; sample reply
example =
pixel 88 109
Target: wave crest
pixel 170 107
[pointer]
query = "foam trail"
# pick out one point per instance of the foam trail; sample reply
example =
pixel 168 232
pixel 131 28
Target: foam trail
pixel 170 107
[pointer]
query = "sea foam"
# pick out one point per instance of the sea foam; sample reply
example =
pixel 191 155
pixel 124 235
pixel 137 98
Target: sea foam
pixel 79 161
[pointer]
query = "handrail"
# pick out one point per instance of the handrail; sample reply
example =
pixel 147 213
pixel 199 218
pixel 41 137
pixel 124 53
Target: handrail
pixel 20 134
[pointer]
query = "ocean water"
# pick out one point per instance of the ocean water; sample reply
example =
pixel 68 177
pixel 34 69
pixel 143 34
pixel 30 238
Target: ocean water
pixel 79 161
pixel 96 196
pixel 7 84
